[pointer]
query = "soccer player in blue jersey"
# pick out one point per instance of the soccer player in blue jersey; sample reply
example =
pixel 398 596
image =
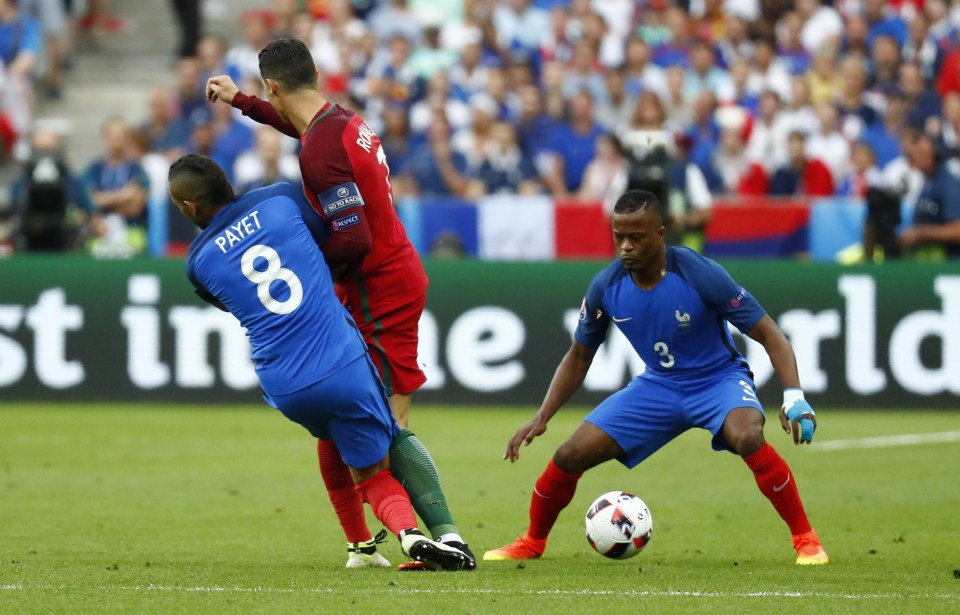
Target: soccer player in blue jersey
pixel 673 306
pixel 258 258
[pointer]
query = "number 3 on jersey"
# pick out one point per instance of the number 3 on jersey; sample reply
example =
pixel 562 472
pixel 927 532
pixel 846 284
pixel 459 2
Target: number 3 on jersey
pixel 661 349
pixel 273 272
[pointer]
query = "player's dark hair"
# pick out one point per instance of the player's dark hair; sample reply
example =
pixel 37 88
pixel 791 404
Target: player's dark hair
pixel 633 201
pixel 201 180
pixel 288 62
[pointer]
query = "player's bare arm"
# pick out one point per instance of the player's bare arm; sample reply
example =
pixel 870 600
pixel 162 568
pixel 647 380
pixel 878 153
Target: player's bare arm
pixel 222 88
pixel 778 348
pixel 566 380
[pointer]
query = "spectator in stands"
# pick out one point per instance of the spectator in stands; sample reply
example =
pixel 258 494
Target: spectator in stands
pixel 21 47
pixel 801 176
pixel 768 73
pixel 885 59
pixel 675 49
pixel 520 25
pixel 230 137
pixel 739 76
pixel 827 144
pixel 390 77
pixel 469 75
pixel 616 108
pixel 48 199
pixel 498 91
pixel 211 57
pixel 395 17
pixel 679 108
pixel 474 141
pixel 949 130
pixel 582 75
pixel 865 173
pixel 169 133
pixel 572 145
pixel 265 164
pixel 606 39
pixel 767 144
pixel 434 167
pixel 639 72
pixel 790 49
pixel 189 98
pixel 705 76
pixel 505 168
pixel 118 188
pixel 856 115
pixel 730 170
pixel 518 72
pixel 921 48
pixel 825 83
pixel 735 43
pixel 603 171
pixel 884 137
pixel 935 231
pixel 941 28
pixel 854 42
pixel 52 16
pixel 534 126
pixel 242 59
pixel 821 25
pixel 882 21
pixel 924 104
pixel 158 207
pixel 9 131
pixel 430 57
pixel 438 101
pixel 396 138
pixel 799 114
pixel 703 132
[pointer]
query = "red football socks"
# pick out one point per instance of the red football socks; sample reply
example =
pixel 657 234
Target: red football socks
pixel 343 493
pixel 389 501
pixel 777 483
pixel 551 494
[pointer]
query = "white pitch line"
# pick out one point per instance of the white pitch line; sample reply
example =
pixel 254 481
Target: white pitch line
pixel 481 591
pixel 887 441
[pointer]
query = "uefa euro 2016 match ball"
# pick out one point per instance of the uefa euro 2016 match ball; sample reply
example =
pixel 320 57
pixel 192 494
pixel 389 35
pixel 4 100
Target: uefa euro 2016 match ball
pixel 619 525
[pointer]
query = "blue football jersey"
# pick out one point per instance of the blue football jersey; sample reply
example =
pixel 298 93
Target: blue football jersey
pixel 260 258
pixel 679 326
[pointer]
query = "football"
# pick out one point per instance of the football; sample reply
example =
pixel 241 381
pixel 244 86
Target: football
pixel 619 525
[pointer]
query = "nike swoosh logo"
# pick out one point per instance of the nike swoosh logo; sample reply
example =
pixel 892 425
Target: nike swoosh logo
pixel 780 488
pixel 615 319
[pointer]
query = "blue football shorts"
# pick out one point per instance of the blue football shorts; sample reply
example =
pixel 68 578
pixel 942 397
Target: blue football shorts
pixel 653 410
pixel 350 408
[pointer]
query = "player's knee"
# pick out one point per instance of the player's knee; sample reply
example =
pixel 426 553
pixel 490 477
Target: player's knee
pixel 748 441
pixel 569 459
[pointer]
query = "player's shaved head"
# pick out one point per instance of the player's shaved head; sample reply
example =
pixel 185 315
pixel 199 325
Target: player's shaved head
pixel 288 62
pixel 199 180
pixel 633 201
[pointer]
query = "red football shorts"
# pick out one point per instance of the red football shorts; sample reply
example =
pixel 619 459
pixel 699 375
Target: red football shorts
pixel 392 341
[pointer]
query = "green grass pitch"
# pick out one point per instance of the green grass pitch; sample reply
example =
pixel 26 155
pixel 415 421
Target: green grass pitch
pixel 177 509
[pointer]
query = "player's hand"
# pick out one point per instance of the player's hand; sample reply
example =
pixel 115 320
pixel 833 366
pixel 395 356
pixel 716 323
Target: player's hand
pixel 222 88
pixel 797 417
pixel 530 430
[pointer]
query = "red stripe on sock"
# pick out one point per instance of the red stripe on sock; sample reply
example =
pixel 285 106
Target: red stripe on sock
pixel 551 494
pixel 347 503
pixel 777 482
pixel 389 501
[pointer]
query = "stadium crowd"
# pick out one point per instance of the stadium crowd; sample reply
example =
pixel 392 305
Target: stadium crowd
pixel 564 98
